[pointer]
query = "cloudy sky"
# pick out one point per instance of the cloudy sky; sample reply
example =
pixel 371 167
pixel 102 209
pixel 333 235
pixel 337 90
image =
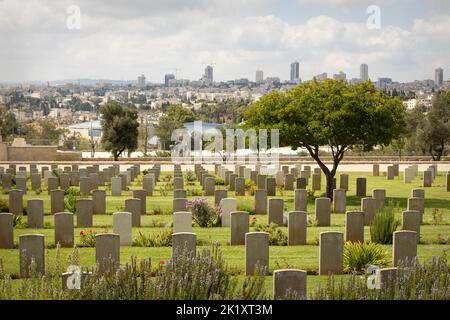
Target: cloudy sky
pixel 122 39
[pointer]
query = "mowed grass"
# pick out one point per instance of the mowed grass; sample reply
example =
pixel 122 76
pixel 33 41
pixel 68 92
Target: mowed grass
pixel 435 233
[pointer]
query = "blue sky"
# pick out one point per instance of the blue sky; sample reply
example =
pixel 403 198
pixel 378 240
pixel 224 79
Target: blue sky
pixel 122 39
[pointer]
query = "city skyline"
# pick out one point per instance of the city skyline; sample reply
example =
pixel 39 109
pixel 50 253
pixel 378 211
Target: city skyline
pixel 120 40
pixel 295 77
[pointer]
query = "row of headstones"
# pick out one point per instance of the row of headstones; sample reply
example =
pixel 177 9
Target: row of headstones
pixel 331 244
pixel 236 180
pixel 123 222
pixel 296 223
pixel 286 177
pixel 149 181
pixel 84 208
pixel 275 207
pixel 429 175
pixel 368 205
pixel 88 179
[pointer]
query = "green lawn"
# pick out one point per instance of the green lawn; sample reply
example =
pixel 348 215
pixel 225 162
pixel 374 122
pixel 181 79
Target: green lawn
pixel 434 237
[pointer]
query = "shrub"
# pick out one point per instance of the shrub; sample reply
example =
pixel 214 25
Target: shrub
pixel 190 176
pixel 71 195
pixel 18 222
pixel 4 206
pixel 162 238
pixel 219 181
pixel 358 256
pixel 383 226
pixel 250 187
pixel 193 192
pixel 246 208
pixel 203 214
pixel 87 239
pixel 277 237
pixel 188 277
pixel 414 281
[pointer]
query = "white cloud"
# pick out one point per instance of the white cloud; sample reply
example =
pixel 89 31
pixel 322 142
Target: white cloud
pixel 123 39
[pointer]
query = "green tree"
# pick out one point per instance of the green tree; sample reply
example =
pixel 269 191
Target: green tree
pixel 398 145
pixel 415 120
pixel 434 133
pixel 8 123
pixel 144 132
pixel 120 129
pixel 44 132
pixel 330 113
pixel 174 119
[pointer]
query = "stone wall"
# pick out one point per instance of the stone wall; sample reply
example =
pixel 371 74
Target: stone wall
pixel 37 153
pixel 3 151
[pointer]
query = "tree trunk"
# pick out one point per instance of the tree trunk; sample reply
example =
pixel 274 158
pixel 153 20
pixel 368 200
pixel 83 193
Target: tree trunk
pixel 338 155
pixel 330 184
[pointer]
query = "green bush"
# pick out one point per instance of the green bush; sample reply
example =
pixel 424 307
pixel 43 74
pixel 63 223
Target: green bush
pixel 162 238
pixel 246 208
pixel 4 206
pixel 19 223
pixel 219 181
pixel 71 195
pixel 190 176
pixel 87 238
pixel 250 187
pixel 414 281
pixel 189 277
pixel 384 224
pixel 203 214
pixel 358 256
pixel 277 237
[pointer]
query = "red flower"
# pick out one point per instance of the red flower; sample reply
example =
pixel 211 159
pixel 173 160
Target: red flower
pixel 81 233
pixel 162 262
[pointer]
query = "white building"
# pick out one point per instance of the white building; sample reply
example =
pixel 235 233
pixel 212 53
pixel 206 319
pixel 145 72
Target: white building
pixel 87 129
pixel 439 77
pixel 259 78
pixel 364 72
pixel 295 72
pixel 141 81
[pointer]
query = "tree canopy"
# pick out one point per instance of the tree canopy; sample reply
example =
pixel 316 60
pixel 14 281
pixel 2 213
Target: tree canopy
pixel 8 123
pixel 174 119
pixel 120 128
pixel 332 114
pixel 429 130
